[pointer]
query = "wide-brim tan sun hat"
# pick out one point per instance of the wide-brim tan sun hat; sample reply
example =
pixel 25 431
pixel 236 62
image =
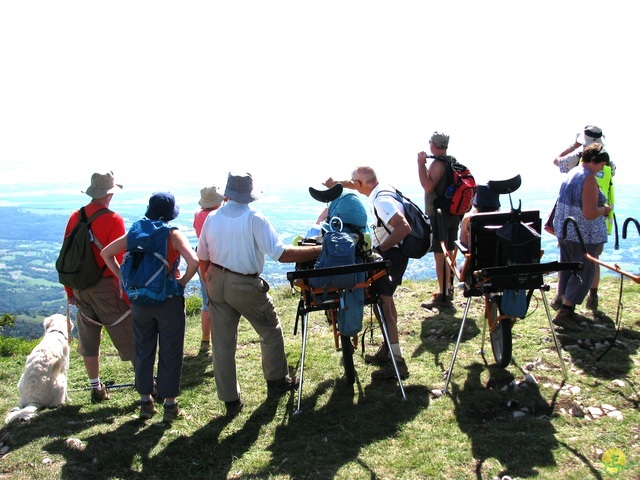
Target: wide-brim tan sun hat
pixel 210 198
pixel 102 184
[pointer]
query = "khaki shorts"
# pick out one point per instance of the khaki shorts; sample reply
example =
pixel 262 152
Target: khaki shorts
pixel 101 306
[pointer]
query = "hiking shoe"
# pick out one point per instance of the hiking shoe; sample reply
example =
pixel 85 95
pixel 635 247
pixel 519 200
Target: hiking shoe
pixel 171 412
pixel 205 346
pixel 557 303
pixel 566 319
pixel 592 302
pixel 439 301
pixel 276 388
pixel 99 394
pixel 378 358
pixel 234 408
pixel 388 372
pixel 147 409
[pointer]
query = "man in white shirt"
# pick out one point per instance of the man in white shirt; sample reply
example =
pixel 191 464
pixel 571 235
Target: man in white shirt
pixel 232 249
pixel 386 237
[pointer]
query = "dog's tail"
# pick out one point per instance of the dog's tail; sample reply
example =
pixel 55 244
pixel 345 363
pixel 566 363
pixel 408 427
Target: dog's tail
pixel 24 414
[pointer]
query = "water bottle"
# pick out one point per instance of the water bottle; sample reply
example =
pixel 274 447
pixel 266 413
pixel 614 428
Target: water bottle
pixel 449 192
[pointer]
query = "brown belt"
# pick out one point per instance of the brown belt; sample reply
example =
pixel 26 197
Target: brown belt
pixel 225 269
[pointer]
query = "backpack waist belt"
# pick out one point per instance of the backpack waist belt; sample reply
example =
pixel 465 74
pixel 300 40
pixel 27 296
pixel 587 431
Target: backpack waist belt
pixel 225 269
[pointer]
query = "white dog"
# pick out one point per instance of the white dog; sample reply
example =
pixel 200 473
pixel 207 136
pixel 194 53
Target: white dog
pixel 44 380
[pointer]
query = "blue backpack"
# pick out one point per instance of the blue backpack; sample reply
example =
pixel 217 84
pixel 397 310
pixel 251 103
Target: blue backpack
pixel 147 277
pixel 339 249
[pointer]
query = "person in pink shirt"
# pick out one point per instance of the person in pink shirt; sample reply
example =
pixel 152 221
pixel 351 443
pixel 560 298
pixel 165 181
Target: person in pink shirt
pixel 210 200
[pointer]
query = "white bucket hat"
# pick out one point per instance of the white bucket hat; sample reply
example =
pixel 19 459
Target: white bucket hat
pixel 591 134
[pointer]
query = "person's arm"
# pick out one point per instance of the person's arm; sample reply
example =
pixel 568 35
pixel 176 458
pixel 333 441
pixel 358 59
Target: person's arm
pixel 323 216
pixel 294 254
pixel 181 244
pixel 590 208
pixel 401 229
pixel 111 251
pixel 330 182
pixel 204 266
pixel 429 175
pixel 567 151
pixel 464 230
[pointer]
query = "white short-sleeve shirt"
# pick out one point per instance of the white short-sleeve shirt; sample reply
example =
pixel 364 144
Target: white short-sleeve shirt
pixel 238 237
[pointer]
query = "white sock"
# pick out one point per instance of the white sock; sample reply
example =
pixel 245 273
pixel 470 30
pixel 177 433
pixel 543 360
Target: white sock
pixel 95 382
pixel 395 348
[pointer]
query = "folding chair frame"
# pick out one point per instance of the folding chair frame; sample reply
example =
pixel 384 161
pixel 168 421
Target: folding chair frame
pixel 484 278
pixel 330 302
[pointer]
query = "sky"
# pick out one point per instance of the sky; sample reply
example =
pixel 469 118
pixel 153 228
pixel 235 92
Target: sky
pixel 293 92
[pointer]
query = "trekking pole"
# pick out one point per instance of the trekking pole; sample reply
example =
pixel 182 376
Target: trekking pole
pixel 108 385
pixel 614 267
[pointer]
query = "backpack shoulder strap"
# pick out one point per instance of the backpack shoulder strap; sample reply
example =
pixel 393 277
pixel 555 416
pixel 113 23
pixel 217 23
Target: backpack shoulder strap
pixel 387 193
pixel 90 220
pixel 83 215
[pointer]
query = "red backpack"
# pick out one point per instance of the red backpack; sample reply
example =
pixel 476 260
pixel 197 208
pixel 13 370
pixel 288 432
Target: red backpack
pixel 461 187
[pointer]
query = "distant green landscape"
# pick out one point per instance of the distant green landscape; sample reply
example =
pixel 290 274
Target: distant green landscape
pixel 29 246
pixel 30 287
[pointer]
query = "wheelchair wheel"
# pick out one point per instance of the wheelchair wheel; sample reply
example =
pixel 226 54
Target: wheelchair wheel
pixel 501 342
pixel 347 359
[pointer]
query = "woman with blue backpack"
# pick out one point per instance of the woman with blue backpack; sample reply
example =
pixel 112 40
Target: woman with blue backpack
pixel 151 279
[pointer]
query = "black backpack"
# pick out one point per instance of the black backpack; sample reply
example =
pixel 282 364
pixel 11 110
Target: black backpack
pixel 76 265
pixel 418 242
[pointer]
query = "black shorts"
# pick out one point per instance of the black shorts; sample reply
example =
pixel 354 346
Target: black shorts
pixel 387 285
pixel 450 225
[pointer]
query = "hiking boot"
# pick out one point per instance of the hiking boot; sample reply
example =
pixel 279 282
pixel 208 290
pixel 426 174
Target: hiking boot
pixel 171 412
pixel 147 409
pixel 557 303
pixel 378 358
pixel 566 319
pixel 592 302
pixel 388 372
pixel 234 408
pixel 439 301
pixel 99 394
pixel 276 388
pixel 204 347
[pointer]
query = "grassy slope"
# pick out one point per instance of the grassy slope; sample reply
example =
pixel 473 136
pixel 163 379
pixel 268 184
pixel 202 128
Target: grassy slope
pixel 367 432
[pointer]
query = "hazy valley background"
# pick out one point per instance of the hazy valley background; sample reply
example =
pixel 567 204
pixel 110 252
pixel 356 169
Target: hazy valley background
pixel 33 218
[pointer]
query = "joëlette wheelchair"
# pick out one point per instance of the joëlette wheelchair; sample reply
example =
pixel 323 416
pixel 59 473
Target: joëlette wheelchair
pixel 331 300
pixel 487 275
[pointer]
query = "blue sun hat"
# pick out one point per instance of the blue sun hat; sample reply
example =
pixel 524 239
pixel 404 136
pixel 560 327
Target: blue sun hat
pixel 351 212
pixel 486 198
pixel 162 206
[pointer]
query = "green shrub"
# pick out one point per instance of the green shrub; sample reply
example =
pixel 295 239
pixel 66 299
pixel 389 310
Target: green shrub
pixel 10 346
pixel 193 305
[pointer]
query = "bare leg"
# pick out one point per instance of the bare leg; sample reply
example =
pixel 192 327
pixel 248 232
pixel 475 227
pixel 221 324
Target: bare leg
pixel 596 277
pixel 391 317
pixel 92 364
pixel 441 266
pixel 206 326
